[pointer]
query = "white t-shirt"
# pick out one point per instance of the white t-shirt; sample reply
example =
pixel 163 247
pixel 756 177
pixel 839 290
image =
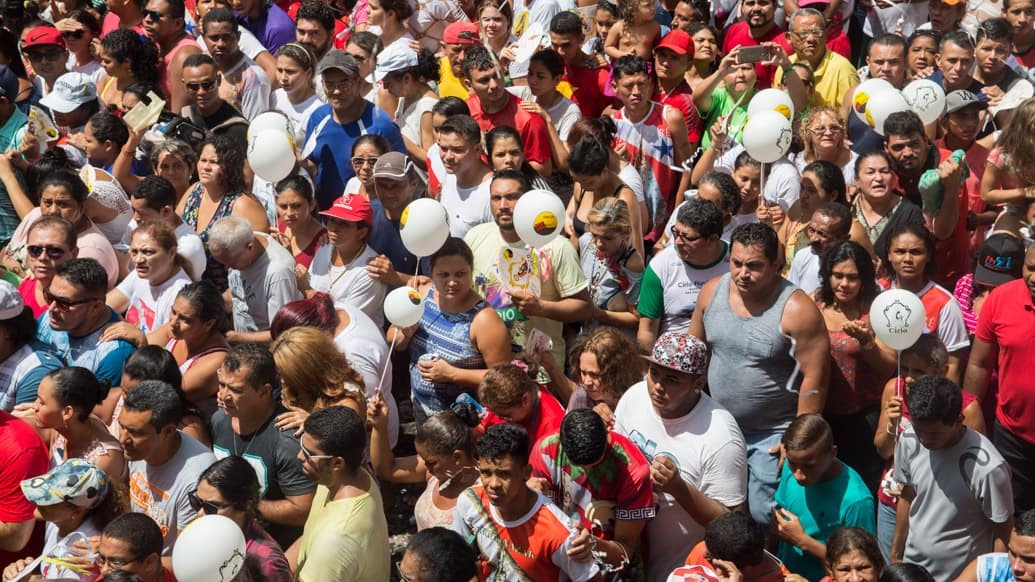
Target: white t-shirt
pixel 160 491
pixel 467 207
pixel 430 19
pixel 847 170
pixel 563 114
pixel 633 180
pixel 263 287
pixel 805 270
pixel 709 450
pixel 247 87
pixel 150 305
pixel 409 116
pixel 364 345
pixel 350 284
pixel 679 283
pixel 782 183
pixel 540 11
pixel 297 113
pixel 952 329
pixel 188 245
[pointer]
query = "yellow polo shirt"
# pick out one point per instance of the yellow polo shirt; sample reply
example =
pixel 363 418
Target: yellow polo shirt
pixel 448 84
pixel 834 76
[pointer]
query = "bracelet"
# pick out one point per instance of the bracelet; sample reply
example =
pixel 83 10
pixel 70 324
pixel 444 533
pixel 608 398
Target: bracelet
pixel 787 69
pixel 889 429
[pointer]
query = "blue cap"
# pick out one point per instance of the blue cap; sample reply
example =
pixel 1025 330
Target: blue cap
pixel 8 83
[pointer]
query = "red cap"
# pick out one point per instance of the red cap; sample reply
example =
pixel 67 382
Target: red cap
pixel 677 41
pixel 351 208
pixel 43 35
pixel 462 33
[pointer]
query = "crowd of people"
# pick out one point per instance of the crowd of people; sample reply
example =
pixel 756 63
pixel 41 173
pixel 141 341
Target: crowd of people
pixel 685 385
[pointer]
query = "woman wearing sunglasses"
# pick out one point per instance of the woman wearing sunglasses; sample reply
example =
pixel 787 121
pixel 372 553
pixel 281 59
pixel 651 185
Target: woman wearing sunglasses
pixel 365 152
pixel 51 242
pixel 230 488
pixel 79 28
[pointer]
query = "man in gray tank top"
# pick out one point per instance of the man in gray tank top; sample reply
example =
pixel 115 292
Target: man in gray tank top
pixel 770 353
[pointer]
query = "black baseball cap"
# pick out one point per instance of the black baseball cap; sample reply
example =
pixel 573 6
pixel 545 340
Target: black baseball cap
pixel 999 260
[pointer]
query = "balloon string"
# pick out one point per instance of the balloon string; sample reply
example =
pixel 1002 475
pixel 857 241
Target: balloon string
pixel 395 336
pixel 899 388
pixel 761 184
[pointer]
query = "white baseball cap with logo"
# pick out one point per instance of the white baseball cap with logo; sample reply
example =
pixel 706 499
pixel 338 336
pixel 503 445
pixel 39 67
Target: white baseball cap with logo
pixel 71 90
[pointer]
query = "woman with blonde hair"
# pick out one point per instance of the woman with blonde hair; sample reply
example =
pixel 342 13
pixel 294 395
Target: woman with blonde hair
pixel 315 375
pixel 1009 176
pixel 613 265
pixel 823 133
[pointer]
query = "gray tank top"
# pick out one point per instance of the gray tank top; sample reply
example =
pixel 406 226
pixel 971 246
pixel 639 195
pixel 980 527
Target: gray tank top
pixel 752 372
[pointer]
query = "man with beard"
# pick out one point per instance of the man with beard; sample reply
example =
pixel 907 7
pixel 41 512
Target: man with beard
pixel 912 153
pixel 245 425
pixel 164 24
pixel 243 82
pixel 315 27
pixel 554 290
pixel 833 74
pixel 886 59
pixel 164 463
pixel 757 27
pixel 830 224
pixel 770 353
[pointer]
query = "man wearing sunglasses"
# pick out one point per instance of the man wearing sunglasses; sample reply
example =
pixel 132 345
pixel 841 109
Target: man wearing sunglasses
pixel 674 277
pixel 132 542
pixel 77 319
pixel 346 534
pixel 206 108
pixel 45 49
pixel 164 24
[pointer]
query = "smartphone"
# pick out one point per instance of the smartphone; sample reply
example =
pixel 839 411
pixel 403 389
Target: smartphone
pixel 754 54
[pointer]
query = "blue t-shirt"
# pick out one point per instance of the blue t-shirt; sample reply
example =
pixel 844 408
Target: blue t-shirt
pixel 22 372
pixel 844 501
pixel 104 359
pixel 273 29
pixel 385 240
pixel 330 148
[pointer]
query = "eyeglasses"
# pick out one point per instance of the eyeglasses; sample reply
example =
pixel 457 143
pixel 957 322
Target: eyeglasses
pixel 831 129
pixel 73 34
pixel 199 504
pixel 309 456
pixel 339 86
pixel 814 33
pixel 683 237
pixel 196 86
pixel 358 162
pixel 51 55
pixel 153 15
pixel 53 253
pixel 65 304
pixel 114 563
pixel 399 570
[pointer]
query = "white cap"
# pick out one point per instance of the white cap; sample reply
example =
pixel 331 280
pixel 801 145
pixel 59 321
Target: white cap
pixel 70 91
pixel 396 57
pixel 11 302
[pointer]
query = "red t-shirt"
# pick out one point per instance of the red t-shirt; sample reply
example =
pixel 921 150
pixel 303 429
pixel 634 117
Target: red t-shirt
pixel 589 86
pixel 977 158
pixel 22 456
pixel 739 34
pixel 617 488
pixel 27 290
pixel 1008 320
pixel 530 126
pixel 111 22
pixel 545 419
pixel 341 25
pixel 697 564
pixel 681 97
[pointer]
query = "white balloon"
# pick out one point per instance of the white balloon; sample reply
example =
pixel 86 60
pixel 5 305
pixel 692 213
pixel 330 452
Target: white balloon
pixel 424 226
pixel 771 100
pixel 881 105
pixel 538 217
pixel 268 120
pixel 271 154
pixel 897 317
pixel 864 91
pixel 926 98
pixel 210 549
pixel 404 306
pixel 767 136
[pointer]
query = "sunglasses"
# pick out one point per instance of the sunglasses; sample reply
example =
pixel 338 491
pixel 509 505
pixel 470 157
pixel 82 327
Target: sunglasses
pixel 53 253
pixel 194 87
pixel 51 55
pixel 309 456
pixel 73 34
pixel 199 504
pixel 65 304
pixel 358 162
pixel 153 15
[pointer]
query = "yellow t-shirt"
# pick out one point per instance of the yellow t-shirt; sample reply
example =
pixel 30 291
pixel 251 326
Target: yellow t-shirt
pixel 552 273
pixel 448 84
pixel 834 76
pixel 345 540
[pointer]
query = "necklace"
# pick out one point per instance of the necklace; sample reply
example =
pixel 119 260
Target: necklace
pixel 345 265
pixel 248 445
